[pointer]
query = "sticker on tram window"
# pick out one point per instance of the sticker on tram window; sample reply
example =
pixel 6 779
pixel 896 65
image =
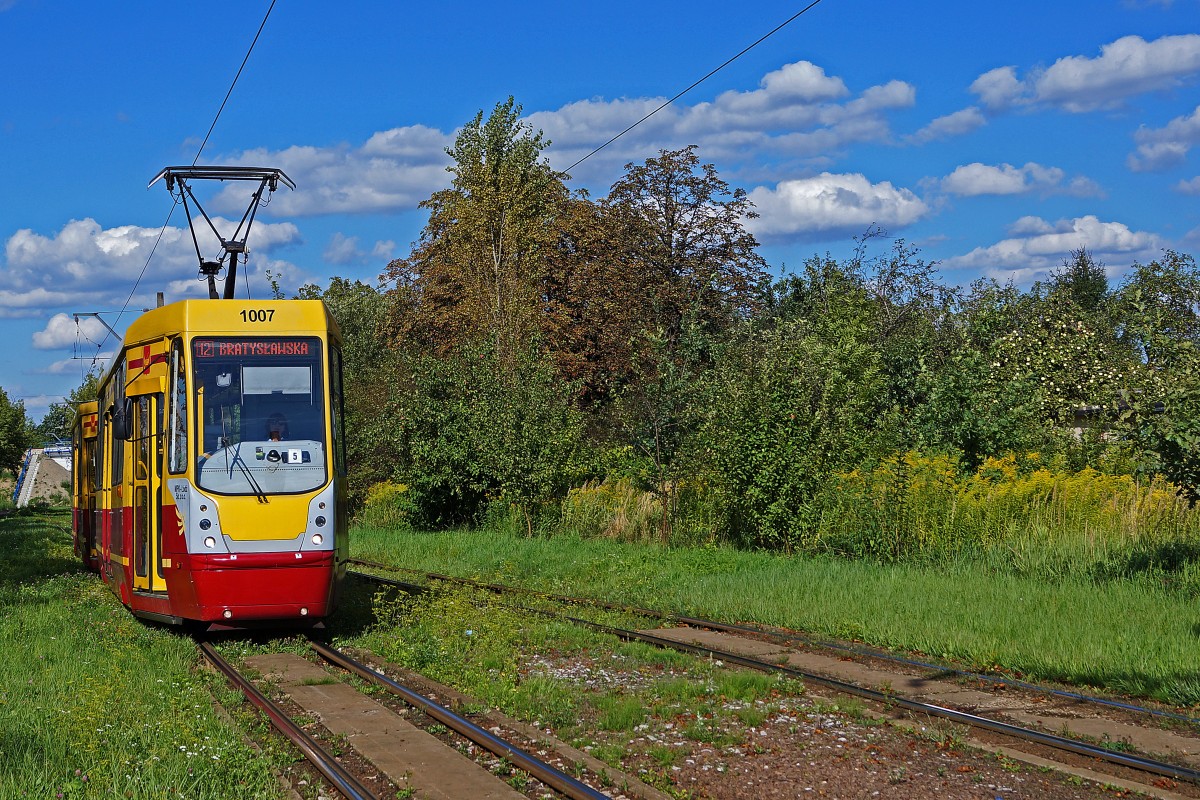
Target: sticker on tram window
pixel 217 348
pixel 258 314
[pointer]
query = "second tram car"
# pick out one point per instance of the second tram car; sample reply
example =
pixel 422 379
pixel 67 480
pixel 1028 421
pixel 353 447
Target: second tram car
pixel 210 475
pixel 85 520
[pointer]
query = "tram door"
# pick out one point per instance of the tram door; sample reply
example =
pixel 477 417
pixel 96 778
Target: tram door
pixel 147 493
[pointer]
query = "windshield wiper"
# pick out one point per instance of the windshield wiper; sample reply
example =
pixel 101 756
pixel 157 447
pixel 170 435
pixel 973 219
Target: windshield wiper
pixel 240 464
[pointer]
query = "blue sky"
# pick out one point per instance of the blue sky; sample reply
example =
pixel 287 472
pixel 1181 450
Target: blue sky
pixel 996 137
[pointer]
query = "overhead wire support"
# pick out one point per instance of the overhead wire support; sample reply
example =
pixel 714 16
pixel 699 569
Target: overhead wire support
pixel 729 61
pixel 203 144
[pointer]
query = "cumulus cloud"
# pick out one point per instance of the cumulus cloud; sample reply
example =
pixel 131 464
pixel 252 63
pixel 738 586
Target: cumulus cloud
pixel 1189 187
pixel 797 111
pixel 343 250
pixel 393 170
pixel 1126 67
pixel 1036 247
pixel 959 123
pixel 63 331
pixel 86 265
pixel 829 204
pixel 972 180
pixel 1166 147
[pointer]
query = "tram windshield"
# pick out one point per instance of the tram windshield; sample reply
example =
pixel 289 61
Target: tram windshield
pixel 260 415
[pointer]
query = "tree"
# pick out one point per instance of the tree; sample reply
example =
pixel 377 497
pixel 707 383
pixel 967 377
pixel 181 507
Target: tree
pixel 473 271
pixel 14 433
pixel 477 427
pixel 785 410
pixel 691 239
pixel 56 424
pixel 1082 280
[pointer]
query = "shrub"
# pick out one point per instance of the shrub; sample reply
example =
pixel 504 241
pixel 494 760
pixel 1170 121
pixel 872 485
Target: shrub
pixel 389 505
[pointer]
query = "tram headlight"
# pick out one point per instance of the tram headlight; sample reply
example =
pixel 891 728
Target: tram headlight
pixel 318 538
pixel 205 524
pixel 210 542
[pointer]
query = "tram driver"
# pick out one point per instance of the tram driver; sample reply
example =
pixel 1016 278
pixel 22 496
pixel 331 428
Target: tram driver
pixel 277 427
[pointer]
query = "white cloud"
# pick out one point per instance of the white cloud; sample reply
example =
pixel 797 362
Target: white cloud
pixel 1165 147
pixel 85 265
pixel 829 204
pixel 797 112
pixel 345 250
pixel 62 331
pixel 1036 247
pixel 998 88
pixel 1125 67
pixel 1189 187
pixel 959 123
pixel 393 169
pixel 971 180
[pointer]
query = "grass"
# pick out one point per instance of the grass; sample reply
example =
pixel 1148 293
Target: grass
pixel 1124 634
pixel 94 703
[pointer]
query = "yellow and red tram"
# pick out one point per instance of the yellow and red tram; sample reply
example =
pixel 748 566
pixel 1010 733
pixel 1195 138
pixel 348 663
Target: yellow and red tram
pixel 217 468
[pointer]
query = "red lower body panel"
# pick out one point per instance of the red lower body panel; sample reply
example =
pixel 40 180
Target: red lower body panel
pixel 252 587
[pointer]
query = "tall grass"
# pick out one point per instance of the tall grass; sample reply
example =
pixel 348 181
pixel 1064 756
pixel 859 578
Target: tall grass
pixel 1020 515
pixel 1017 515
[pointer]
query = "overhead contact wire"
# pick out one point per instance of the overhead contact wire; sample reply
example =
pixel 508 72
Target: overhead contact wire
pixel 743 52
pixel 203 144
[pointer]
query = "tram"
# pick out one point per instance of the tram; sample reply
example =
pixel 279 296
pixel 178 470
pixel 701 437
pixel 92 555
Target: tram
pixel 209 476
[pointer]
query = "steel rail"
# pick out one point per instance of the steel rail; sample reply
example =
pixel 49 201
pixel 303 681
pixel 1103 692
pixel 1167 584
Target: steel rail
pixel 784 635
pixel 555 779
pixel 1016 731
pixel 325 763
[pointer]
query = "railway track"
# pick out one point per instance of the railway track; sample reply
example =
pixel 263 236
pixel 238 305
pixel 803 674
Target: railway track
pixel 401 757
pixel 744 645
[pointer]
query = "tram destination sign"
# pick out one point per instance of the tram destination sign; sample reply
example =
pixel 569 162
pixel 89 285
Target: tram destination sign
pixel 233 348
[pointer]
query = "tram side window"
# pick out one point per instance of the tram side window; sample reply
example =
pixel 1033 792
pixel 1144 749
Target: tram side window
pixel 178 420
pixel 335 390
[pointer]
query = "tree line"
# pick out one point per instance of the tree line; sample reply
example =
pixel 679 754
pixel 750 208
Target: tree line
pixel 537 339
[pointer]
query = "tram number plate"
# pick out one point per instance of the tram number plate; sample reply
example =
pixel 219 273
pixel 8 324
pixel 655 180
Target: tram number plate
pixel 258 315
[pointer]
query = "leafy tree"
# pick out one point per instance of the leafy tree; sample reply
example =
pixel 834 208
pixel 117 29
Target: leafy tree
pixel 595 297
pixel 477 427
pixel 1158 306
pixel 786 409
pixel 56 424
pixel 15 435
pixel 1082 280
pixel 473 271
pixel 691 239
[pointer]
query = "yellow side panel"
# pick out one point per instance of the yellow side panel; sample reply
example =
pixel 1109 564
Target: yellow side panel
pixel 147 385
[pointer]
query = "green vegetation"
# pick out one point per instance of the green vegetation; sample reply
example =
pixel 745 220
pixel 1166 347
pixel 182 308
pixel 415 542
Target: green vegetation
pixel 94 703
pixel 595 692
pixel 1123 634
pixel 628 367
